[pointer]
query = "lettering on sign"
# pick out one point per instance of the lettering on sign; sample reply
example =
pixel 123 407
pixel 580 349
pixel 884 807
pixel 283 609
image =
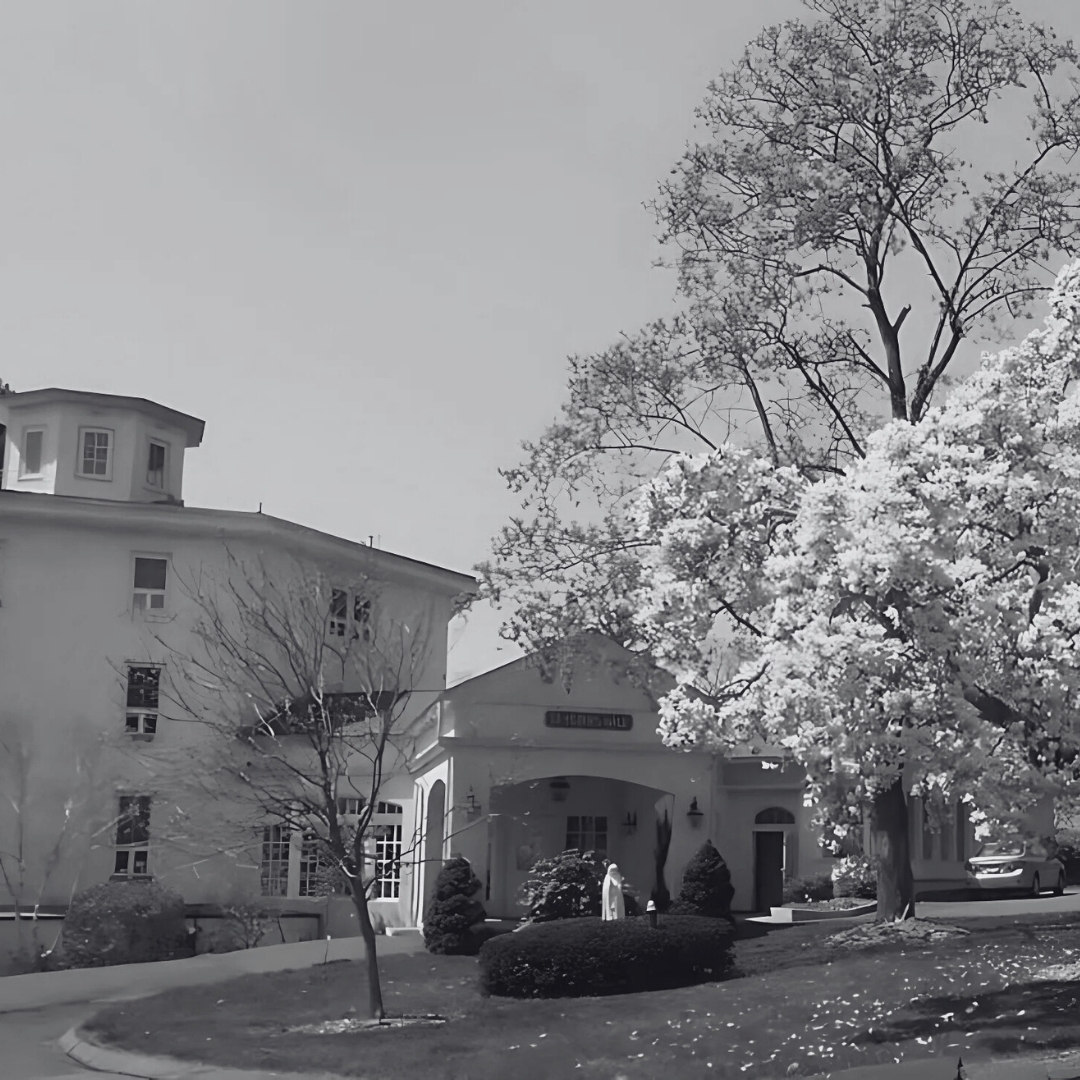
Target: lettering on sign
pixel 590 721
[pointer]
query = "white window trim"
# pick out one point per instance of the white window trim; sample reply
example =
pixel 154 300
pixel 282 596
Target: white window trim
pixel 83 432
pixel 371 848
pixel 351 627
pixel 152 440
pixel 146 612
pixel 141 734
pixel 129 873
pixel 23 474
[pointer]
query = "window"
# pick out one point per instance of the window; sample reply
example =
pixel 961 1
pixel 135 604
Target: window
pixel 387 862
pixel 143 685
pixel 133 836
pixel 310 864
pixel 31 455
pixel 150 577
pixel 30 465
pixel 155 465
pixel 586 833
pixel 361 618
pixel 274 870
pixel 339 610
pixel 96 460
pixel 348 806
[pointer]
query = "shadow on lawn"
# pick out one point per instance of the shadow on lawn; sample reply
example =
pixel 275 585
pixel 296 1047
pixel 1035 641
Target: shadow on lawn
pixel 1012 1019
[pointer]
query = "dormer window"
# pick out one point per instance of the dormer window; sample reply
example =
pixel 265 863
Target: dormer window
pixel 96 453
pixel 155 466
pixel 30 463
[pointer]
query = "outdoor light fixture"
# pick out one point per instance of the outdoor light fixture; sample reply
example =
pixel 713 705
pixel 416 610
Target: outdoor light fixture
pixel 694 814
pixel 560 788
pixel 471 804
pixel 630 824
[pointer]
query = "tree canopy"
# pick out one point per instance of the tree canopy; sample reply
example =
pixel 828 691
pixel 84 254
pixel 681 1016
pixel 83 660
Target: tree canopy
pixel 860 202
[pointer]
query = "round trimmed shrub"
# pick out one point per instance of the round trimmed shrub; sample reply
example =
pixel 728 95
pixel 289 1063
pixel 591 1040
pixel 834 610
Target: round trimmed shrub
pixel 453 911
pixel 124 922
pixel 706 886
pixel 577 957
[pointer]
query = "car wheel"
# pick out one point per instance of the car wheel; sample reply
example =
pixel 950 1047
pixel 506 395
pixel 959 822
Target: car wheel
pixel 1036 888
pixel 1060 890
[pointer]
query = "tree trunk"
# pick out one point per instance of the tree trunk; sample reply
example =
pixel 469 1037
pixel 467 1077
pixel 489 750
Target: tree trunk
pixel 896 885
pixel 367 932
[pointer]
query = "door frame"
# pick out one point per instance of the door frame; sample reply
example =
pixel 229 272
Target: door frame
pixel 789 865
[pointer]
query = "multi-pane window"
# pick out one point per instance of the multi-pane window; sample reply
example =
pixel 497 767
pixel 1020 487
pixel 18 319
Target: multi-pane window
pixel 96 444
pixel 361 618
pixel 133 836
pixel 30 465
pixel 350 806
pixel 310 863
pixel 274 869
pixel 149 589
pixel 143 690
pixel 155 465
pixel 384 845
pixel 339 611
pixel 586 833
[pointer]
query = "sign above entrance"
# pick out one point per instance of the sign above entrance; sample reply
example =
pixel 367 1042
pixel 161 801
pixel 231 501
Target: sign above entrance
pixel 589 720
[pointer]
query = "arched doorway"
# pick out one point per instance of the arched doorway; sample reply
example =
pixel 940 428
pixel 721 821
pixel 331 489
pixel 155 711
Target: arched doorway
pixel 434 822
pixel 774 829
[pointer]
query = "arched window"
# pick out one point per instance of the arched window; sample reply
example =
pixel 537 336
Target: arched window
pixel 775 815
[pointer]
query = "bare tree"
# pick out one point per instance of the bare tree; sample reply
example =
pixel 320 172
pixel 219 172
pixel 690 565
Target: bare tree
pixel 40 837
pixel 310 689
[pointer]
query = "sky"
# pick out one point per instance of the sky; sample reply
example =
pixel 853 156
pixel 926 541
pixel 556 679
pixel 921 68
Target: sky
pixel 358 238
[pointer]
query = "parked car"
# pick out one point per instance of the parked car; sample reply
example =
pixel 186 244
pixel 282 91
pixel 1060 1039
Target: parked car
pixel 1015 866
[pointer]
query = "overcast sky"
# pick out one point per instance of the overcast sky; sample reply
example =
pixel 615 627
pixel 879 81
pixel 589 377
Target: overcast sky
pixel 359 239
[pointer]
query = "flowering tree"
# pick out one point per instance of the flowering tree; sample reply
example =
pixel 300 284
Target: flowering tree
pixel 913 622
pixel 856 176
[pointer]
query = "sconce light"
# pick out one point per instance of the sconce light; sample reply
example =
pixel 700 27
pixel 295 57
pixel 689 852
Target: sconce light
pixel 694 814
pixel 630 824
pixel 560 788
pixel 471 805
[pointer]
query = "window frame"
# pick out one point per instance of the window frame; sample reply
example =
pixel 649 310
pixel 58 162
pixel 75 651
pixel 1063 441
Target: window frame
pixel 80 457
pixel 151 442
pixel 146 715
pixel 582 832
pixel 349 615
pixel 24 474
pixel 132 849
pixel 145 610
pixel 276 851
pixel 384 845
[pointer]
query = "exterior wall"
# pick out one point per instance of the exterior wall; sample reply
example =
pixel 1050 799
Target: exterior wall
pixel 61 451
pixel 67 630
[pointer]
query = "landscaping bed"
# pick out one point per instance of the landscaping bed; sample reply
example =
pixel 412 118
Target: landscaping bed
pixel 804 1003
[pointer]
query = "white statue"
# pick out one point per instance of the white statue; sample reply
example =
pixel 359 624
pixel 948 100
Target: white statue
pixel 612 905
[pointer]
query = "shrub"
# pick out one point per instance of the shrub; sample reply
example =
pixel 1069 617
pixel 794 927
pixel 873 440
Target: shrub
pixel 571 958
pixel 1067 849
pixel 800 890
pixel 124 922
pixel 706 886
pixel 570 886
pixel 452 911
pixel 856 875
pixel 248 923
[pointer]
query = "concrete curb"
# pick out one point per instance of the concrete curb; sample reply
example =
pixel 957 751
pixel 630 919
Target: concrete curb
pixel 1066 1067
pixel 79 1046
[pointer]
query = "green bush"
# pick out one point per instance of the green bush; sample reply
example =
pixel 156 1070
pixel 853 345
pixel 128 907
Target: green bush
pixel 800 890
pixel 452 911
pixel 856 875
pixel 124 922
pixel 706 886
pixel 570 886
pixel 577 957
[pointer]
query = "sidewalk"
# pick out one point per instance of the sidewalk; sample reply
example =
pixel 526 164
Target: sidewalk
pixel 19 992
pixel 945 1069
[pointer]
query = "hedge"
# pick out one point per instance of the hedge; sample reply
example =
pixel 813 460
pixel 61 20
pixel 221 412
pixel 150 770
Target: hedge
pixel 576 957
pixel 453 911
pixel 124 922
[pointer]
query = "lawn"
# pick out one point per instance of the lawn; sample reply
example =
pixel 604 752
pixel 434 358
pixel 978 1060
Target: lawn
pixel 798 1001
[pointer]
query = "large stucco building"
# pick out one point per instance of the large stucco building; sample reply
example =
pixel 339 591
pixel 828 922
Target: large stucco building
pixel 509 766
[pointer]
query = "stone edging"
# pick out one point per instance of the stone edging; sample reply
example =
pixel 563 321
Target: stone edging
pixel 79 1045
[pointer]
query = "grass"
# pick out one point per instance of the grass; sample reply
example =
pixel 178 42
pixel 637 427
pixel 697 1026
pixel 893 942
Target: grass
pixel 797 1001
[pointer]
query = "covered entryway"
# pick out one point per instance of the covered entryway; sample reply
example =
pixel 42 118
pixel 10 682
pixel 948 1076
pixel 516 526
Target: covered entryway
pixel 772 829
pixel 540 818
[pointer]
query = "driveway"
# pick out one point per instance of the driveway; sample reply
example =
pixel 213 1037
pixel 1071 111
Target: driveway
pixel 1000 907
pixel 28 1043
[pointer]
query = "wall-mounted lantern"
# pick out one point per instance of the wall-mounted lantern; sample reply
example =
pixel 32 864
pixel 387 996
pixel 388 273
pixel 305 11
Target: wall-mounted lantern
pixel 471 805
pixel 630 824
pixel 694 814
pixel 560 788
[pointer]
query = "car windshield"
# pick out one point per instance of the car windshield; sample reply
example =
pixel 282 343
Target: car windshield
pixel 1001 847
